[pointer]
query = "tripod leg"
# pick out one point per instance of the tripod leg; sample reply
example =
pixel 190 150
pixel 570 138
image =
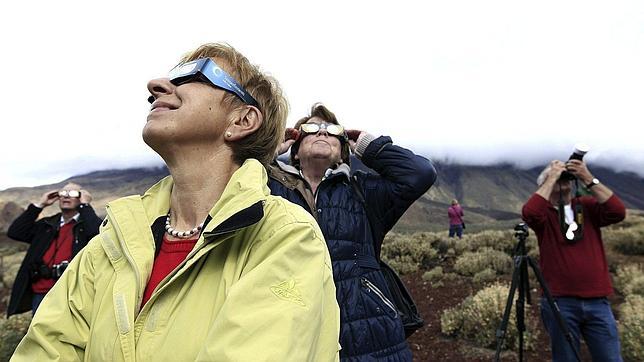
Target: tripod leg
pixel 555 308
pixel 500 332
pixel 520 312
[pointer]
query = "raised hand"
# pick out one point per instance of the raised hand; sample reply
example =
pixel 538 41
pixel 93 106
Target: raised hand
pixel 85 197
pixel 48 198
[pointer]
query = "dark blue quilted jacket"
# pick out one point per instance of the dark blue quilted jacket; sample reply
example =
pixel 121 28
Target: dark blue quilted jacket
pixel 370 329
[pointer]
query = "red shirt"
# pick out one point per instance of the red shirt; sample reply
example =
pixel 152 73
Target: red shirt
pixel 579 269
pixel 172 253
pixel 59 250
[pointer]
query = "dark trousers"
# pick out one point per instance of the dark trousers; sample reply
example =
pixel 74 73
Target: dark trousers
pixel 35 301
pixel 456 229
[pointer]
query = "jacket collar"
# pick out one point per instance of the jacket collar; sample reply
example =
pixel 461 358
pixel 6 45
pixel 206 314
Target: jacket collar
pixel 55 221
pixel 341 169
pixel 240 205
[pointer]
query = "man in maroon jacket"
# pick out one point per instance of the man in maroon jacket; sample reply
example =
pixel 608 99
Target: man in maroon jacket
pixel 575 270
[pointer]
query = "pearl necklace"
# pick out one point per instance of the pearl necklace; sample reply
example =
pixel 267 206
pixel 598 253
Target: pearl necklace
pixel 181 234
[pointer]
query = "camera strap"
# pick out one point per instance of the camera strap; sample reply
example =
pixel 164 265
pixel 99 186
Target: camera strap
pixel 574 231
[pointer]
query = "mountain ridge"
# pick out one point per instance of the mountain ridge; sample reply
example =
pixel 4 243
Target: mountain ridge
pixel 492 196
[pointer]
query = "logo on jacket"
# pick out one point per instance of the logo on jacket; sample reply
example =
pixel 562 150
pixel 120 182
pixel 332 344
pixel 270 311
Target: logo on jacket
pixel 286 290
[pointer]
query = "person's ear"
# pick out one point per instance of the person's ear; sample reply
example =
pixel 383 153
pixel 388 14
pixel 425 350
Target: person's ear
pixel 244 123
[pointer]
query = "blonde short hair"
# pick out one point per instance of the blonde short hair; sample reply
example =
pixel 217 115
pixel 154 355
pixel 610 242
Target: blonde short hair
pixel 262 144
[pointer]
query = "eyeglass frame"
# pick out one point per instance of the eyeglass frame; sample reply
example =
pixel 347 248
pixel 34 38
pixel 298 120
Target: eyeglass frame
pixel 342 136
pixel 66 193
pixel 205 69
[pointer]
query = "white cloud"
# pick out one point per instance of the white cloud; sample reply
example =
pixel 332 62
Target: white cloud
pixel 468 80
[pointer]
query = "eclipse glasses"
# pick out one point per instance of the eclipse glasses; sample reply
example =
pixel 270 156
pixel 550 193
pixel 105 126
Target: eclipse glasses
pixel 69 193
pixel 206 70
pixel 332 129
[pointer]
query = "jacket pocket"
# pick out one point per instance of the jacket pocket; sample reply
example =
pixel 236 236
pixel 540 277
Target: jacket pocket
pixel 378 296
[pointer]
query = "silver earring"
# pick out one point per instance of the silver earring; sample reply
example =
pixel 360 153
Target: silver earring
pixel 229 134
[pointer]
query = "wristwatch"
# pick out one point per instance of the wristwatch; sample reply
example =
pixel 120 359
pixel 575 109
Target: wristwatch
pixel 592 183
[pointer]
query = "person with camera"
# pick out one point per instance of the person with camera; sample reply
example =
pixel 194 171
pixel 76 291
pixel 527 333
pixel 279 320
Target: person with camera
pixel 53 242
pixel 354 211
pixel 206 265
pixel 572 257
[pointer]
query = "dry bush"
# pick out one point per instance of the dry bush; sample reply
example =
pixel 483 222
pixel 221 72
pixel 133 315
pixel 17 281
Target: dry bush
pixel 495 239
pixel 477 318
pixel 504 241
pixel 407 253
pixel 403 264
pixel 631 325
pixel 629 279
pixel 484 276
pixel 629 241
pixel 433 275
pixel 471 263
pixel 12 330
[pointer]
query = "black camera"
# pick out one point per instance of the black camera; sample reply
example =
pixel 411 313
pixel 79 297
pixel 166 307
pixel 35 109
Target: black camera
pixel 521 229
pixel 42 271
pixel 577 154
pixel 58 269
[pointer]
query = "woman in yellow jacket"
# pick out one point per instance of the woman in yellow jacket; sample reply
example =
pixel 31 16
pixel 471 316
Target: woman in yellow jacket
pixel 248 278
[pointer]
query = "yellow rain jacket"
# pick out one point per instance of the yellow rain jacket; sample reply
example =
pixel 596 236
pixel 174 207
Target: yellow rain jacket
pixel 257 286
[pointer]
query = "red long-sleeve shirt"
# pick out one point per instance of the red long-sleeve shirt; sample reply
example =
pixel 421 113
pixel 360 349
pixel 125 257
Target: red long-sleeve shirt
pixel 577 269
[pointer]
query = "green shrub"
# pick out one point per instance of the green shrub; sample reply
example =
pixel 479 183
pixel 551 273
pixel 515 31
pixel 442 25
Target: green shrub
pixel 498 240
pixel 477 318
pixel 435 274
pixel 632 328
pixel 471 263
pixel 495 239
pixel 626 241
pixel 450 276
pixel 484 276
pixel 629 279
pixel 12 330
pixel 637 286
pixel 437 284
pixel 407 253
pixel 452 319
pixel 404 264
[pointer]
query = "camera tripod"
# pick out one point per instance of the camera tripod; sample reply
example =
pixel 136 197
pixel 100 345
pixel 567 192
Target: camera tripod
pixel 520 280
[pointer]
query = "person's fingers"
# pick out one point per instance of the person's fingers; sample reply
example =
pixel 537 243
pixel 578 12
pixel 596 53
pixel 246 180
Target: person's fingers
pixel 353 134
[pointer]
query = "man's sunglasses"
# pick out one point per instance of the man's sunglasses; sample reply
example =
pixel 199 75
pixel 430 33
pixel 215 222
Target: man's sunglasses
pixel 69 193
pixel 206 70
pixel 332 129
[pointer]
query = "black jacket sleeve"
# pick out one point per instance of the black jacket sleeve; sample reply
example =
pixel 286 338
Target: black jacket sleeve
pixel 403 178
pixel 23 228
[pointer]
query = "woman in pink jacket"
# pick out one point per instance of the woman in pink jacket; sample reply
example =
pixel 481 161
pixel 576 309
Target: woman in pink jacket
pixel 456 224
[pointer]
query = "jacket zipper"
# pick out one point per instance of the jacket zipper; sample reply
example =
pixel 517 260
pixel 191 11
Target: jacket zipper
pixel 128 256
pixel 370 286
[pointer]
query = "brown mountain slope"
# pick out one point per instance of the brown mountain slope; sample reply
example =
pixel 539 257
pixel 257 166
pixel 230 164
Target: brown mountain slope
pixel 492 196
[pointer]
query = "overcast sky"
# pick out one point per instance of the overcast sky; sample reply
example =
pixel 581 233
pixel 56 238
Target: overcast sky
pixel 465 81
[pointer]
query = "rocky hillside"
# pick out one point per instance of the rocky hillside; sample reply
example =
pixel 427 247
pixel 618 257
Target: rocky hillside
pixel 492 196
